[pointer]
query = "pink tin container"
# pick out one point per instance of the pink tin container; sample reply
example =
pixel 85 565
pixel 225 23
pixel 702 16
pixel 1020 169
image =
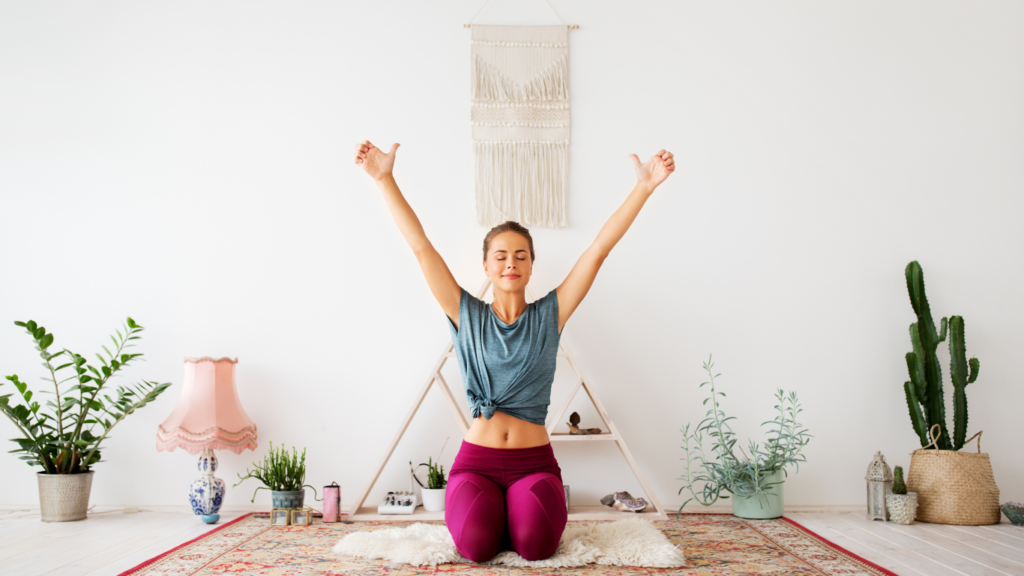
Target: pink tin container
pixel 332 502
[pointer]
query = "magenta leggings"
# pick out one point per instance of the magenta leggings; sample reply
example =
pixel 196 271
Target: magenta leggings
pixel 505 498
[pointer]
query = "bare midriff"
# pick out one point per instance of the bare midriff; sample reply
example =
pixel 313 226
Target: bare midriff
pixel 504 431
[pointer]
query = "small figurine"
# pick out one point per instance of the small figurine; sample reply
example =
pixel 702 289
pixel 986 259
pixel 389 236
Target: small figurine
pixel 574 421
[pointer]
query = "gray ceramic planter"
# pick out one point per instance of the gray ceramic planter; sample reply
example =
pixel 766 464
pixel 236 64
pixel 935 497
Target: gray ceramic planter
pixel 292 499
pixel 64 497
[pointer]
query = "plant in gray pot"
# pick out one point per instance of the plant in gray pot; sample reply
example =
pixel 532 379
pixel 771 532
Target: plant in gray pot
pixel 902 505
pixel 63 435
pixel 283 474
pixel 754 479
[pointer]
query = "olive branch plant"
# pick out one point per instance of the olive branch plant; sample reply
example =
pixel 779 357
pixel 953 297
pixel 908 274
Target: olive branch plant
pixel 66 438
pixel 739 474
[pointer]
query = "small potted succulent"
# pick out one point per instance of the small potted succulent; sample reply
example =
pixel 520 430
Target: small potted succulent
pixel 437 485
pixel 902 505
pixel 283 474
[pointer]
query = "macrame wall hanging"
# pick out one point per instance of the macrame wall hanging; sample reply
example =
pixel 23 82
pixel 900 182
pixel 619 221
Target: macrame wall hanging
pixel 520 123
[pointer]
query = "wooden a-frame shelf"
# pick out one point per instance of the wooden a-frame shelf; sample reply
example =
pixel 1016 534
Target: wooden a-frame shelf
pixel 654 511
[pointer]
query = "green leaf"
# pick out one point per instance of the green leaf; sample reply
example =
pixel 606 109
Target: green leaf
pixel 131 323
pixel 16 323
pixel 108 351
pixel 31 325
pixel 45 342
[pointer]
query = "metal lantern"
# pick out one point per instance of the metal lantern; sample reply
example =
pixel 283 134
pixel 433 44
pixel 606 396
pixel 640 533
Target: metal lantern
pixel 879 479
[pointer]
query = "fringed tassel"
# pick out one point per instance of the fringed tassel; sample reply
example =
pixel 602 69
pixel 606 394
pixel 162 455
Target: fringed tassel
pixel 552 84
pixel 521 181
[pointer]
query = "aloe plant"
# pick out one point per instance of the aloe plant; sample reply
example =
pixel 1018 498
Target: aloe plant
pixel 435 472
pixel 923 391
pixel 279 471
pixel 63 436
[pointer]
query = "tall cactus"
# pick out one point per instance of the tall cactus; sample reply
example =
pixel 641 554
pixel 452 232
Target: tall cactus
pixel 958 370
pixel 924 393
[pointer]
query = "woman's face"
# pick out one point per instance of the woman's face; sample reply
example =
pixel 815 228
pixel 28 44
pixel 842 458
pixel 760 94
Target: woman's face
pixel 508 263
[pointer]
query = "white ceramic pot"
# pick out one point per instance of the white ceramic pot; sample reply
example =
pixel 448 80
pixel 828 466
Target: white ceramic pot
pixel 902 507
pixel 64 497
pixel 433 500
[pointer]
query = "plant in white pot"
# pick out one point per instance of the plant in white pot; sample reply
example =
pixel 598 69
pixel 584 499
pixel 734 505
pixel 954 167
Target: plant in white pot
pixel 283 474
pixel 437 485
pixel 902 505
pixel 755 480
pixel 63 435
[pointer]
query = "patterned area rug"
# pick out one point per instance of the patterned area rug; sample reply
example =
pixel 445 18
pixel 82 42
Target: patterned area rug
pixel 715 545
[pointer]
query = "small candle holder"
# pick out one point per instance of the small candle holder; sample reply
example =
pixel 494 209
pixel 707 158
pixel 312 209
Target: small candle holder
pixel 301 516
pixel 280 516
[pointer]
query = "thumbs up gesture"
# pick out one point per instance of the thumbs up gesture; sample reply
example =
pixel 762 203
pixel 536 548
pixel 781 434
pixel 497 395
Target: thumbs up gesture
pixel 655 170
pixel 374 161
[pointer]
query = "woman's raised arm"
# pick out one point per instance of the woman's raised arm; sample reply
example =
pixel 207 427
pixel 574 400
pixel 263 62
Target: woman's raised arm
pixel 378 165
pixel 649 176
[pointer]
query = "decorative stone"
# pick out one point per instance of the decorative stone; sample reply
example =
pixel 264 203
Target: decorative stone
pixel 902 507
pixel 624 502
pixel 573 423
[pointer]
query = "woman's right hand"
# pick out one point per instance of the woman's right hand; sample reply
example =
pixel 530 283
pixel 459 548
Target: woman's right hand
pixel 375 162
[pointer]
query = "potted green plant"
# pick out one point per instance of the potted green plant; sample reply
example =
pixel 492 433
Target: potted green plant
pixel 434 491
pixel 937 470
pixel 283 474
pixel 755 480
pixel 902 505
pixel 63 436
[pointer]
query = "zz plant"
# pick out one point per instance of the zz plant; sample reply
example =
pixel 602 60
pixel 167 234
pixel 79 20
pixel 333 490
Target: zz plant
pixel 924 393
pixel 63 435
pixel 724 466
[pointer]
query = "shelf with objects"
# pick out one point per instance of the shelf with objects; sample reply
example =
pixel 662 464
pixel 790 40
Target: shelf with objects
pixel 654 510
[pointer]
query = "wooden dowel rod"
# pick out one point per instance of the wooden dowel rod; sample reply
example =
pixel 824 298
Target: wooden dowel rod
pixel 569 26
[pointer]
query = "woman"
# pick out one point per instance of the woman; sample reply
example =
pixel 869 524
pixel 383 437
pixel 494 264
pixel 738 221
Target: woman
pixel 505 486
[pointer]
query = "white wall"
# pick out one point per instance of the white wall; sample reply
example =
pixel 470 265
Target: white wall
pixel 189 164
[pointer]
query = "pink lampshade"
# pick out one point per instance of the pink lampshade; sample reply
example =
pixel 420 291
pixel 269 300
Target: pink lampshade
pixel 208 414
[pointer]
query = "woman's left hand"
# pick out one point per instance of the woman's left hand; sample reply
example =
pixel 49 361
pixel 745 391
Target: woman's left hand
pixel 654 171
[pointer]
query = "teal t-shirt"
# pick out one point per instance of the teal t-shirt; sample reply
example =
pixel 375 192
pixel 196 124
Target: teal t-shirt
pixel 507 367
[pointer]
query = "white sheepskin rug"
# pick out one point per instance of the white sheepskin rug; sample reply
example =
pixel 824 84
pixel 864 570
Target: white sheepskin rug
pixel 624 542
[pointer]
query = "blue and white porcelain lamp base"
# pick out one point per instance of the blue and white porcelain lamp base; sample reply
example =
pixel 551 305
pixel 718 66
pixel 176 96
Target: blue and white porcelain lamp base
pixel 206 493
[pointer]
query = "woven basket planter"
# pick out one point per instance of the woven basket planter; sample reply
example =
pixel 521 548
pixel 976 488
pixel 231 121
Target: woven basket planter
pixel 64 497
pixel 954 487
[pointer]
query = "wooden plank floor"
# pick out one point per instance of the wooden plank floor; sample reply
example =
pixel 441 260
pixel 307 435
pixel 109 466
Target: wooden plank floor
pixel 110 542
